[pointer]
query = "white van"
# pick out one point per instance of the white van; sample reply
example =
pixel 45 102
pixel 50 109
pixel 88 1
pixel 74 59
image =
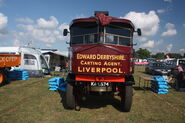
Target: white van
pixel 32 60
pixel 175 62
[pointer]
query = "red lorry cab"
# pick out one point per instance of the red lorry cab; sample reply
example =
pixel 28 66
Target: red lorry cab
pixel 101 50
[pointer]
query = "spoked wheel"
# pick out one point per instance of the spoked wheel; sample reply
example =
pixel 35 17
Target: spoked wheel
pixel 126 97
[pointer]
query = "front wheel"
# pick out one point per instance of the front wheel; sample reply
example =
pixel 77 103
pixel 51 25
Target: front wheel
pixel 3 77
pixel 69 97
pixel 126 97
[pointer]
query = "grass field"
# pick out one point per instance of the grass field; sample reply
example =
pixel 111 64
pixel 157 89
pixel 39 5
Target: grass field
pixel 30 102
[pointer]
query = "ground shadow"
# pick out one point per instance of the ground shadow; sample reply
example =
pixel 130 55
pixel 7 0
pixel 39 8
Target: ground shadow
pixel 96 101
pixel 142 88
pixel 137 88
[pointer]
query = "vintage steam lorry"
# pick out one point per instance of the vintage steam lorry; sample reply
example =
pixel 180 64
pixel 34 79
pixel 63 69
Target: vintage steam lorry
pixel 101 58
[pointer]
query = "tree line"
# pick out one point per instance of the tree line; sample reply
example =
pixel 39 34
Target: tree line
pixel 144 54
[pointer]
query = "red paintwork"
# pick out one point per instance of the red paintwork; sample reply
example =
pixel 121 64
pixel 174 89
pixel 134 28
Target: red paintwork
pixel 103 20
pixel 91 78
pixel 9 60
pixel 120 67
pixel 102 62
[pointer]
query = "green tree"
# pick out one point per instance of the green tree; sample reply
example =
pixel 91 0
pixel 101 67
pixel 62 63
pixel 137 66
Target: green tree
pixel 142 53
pixel 159 56
pixel 175 55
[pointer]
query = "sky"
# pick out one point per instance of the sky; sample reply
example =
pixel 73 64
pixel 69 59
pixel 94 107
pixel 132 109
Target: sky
pixel 40 23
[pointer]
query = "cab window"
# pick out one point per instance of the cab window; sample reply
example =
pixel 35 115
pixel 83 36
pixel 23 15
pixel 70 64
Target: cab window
pixel 84 35
pixel 118 35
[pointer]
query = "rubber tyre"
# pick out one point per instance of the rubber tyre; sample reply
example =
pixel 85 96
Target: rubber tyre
pixel 70 98
pixel 3 78
pixel 126 98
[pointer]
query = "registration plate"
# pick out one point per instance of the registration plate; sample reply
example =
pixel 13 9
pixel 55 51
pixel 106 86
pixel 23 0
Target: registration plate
pixel 100 84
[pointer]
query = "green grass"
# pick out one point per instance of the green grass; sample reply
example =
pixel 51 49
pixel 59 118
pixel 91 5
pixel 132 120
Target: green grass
pixel 30 101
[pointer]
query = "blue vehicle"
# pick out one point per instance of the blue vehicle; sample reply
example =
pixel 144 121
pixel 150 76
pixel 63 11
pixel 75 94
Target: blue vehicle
pixel 157 68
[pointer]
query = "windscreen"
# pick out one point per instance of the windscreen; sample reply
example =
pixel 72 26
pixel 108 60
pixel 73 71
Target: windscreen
pixel 118 35
pixel 110 34
pixel 182 62
pixel 118 31
pixel 159 65
pixel 84 35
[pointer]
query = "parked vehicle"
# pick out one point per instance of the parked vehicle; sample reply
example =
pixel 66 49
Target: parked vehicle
pixel 140 62
pixel 101 58
pixel 6 62
pixel 32 60
pixel 157 68
pixel 151 60
pixel 175 62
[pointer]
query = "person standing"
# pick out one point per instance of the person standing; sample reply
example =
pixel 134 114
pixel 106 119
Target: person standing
pixel 179 83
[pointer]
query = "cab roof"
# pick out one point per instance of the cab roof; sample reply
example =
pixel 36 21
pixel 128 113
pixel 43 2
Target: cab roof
pixel 103 19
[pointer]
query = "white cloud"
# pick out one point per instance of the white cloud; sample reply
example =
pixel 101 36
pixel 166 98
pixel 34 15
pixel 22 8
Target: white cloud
pixel 170 30
pixel 149 23
pixel 3 21
pixel 25 20
pixel 158 42
pixel 48 31
pixel 160 11
pixel 169 47
pixel 44 35
pixel 170 26
pixel 3 24
pixel 168 1
pixel 63 26
pixel 142 39
pixel 28 27
pixel 48 45
pixel 182 50
pixel 149 44
pixel 16 42
pixel 52 23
